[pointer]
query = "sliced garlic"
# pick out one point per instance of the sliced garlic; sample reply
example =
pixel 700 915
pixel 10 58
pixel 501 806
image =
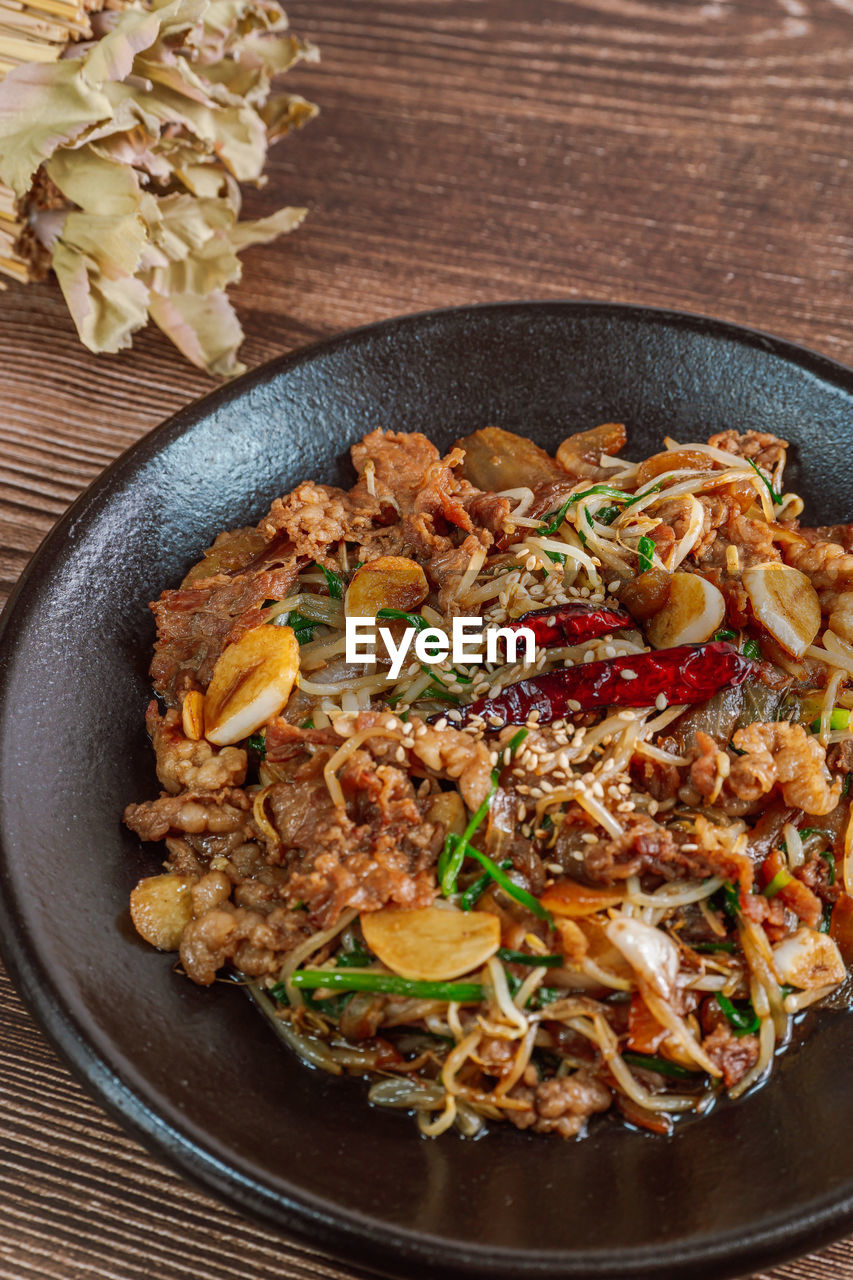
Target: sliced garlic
pixel 693 611
pixel 192 715
pixel 251 683
pixel 431 943
pixel 785 603
pixel 160 907
pixel 390 582
pixel 808 959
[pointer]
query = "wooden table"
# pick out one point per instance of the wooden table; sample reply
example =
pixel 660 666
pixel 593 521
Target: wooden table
pixel 661 151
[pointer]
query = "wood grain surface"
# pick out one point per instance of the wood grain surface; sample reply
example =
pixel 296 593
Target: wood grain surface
pixel 688 154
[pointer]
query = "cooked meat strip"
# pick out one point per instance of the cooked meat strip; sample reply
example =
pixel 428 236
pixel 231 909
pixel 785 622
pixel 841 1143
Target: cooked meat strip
pixel 196 812
pixel 562 1105
pixel 191 766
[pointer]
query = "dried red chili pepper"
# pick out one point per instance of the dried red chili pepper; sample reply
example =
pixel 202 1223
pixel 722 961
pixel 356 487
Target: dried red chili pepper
pixel 688 673
pixel 571 623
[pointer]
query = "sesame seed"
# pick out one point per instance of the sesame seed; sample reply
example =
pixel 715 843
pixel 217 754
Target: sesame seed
pixel 441 724
pixel 660 702
pixel 628 675
pixel 573 704
pixel 455 715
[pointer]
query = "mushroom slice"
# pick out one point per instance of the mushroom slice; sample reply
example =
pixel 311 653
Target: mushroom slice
pixel 693 611
pixel 160 907
pixel 432 944
pixel 390 582
pixel 251 683
pixel 785 603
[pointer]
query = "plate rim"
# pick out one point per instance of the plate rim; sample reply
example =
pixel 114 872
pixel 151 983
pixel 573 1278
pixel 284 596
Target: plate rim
pixel 346 1235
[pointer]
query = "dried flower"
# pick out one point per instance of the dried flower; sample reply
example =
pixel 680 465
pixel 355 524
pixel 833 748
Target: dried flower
pixel 122 148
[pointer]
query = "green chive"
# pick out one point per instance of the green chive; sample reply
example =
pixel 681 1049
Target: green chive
pixel 414 619
pixel 606 515
pixel 660 1065
pixel 526 957
pixel 521 895
pixel 333 582
pixel 388 984
pixel 453 854
pixel 829 859
pixel 555 518
pixel 307 724
pixel 724 634
pixel 752 650
pixel 646 551
pixel 478 887
pixel 706 947
pixel 258 743
pixel 775 497
pixel 743 1021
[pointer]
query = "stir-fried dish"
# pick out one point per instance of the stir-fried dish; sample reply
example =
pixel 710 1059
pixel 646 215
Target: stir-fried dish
pixel 611 876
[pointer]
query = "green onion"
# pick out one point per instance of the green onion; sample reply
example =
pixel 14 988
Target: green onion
pixel 660 1065
pixel 752 649
pixel 478 887
pixel 606 515
pixel 742 1021
pixel 546 995
pixel 526 957
pixel 845 787
pixel 258 743
pixel 646 551
pixel 414 619
pixel 839 719
pixel 453 854
pixel 724 634
pixel 307 724
pixel 388 984
pixel 829 859
pixel 333 582
pixel 778 882
pixel 521 895
pixel 825 921
pixel 279 993
pixel 775 497
pixel 713 946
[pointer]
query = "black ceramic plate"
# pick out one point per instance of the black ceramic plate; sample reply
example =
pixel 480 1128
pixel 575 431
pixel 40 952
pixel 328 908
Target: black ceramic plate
pixel 197 1073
